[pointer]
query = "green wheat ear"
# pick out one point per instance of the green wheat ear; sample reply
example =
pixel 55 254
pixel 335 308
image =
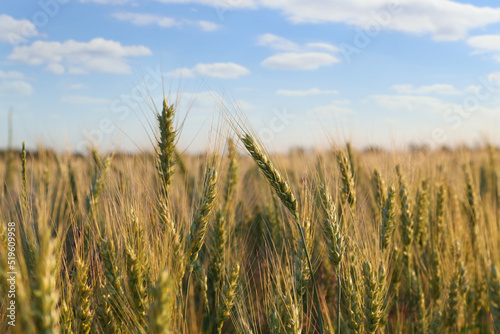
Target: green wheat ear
pixel 199 227
pixel 422 214
pixel 442 197
pixel 379 187
pixel 219 237
pixel 277 182
pixel 98 185
pixel 136 281
pixel 388 219
pixel 166 145
pixel 373 299
pixel 406 218
pixel 111 270
pixel 333 235
pixel 232 173
pixel 473 208
pixel 228 296
pixel 348 186
pixel 494 296
pixel 282 189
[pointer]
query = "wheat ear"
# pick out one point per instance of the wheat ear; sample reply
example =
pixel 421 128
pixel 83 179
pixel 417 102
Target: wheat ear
pixel 379 187
pixel 45 295
pixel 373 300
pixel 224 310
pixel 494 296
pixel 83 295
pixel 348 185
pixel 232 178
pixel 199 227
pixel 282 189
pixel 388 219
pixel 166 144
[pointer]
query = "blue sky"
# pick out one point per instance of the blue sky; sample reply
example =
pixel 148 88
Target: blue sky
pixel 376 72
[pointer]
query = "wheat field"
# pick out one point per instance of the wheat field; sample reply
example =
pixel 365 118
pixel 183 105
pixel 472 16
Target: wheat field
pixel 238 240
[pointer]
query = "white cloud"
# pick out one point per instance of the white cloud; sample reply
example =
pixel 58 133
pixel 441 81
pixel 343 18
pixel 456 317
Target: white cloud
pixel 146 19
pixel 11 75
pixel 335 109
pixel 441 89
pixel 297 57
pixel 215 70
pixel 97 55
pixel 410 103
pixel 277 43
pixel 15 88
pixel 299 61
pixel 442 19
pixel 229 4
pixel 208 26
pixel 307 92
pixel 282 44
pixel 80 99
pixel 12 85
pixel 139 19
pixel 486 44
pixel 16 31
pixel 322 45
pixel 55 68
pixel 472 88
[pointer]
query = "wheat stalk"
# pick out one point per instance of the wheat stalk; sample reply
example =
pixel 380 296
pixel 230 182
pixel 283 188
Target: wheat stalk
pixel 228 295
pixel 282 189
